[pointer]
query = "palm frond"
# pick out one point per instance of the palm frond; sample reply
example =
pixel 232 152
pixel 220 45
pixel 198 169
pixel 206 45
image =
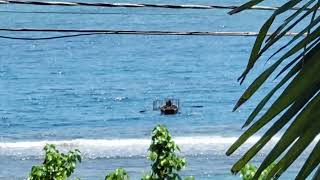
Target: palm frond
pixel 317 174
pixel 299 102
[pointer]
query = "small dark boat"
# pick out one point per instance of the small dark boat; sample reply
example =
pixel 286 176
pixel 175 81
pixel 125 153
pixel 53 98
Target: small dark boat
pixel 169 110
pixel 167 106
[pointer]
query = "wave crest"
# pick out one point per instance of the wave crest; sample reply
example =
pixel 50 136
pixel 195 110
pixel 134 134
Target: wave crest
pixel 108 148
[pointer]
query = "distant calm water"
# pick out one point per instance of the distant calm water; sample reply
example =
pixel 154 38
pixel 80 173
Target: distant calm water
pixel 86 92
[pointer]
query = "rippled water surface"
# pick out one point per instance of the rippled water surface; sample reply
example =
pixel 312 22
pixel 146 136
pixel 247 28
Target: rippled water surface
pixel 87 92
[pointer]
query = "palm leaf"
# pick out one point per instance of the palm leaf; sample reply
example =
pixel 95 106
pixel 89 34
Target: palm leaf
pixel 275 128
pixel 307 29
pixel 300 99
pixel 275 37
pixel 263 77
pixel 302 54
pixel 295 151
pixel 284 80
pixel 298 127
pixel 311 163
pixel 245 6
pixel 294 90
pixel 290 18
pixel 262 35
pixel 317 174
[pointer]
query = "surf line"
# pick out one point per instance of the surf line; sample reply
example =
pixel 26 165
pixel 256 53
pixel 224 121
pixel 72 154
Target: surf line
pixel 105 143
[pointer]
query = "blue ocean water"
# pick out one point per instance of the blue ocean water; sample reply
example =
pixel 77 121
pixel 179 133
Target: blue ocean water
pixel 87 92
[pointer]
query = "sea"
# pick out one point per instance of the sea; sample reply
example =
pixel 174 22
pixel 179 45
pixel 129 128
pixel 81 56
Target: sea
pixel 96 93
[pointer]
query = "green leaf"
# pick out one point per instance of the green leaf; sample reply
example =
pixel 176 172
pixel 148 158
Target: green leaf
pixel 256 48
pixel 58 166
pixel 261 79
pixel 291 73
pixel 255 85
pixel 282 34
pixel 162 152
pixel 118 174
pixel 301 122
pixel 308 39
pixel 275 128
pixel 262 35
pixel 290 18
pixel 189 178
pixel 294 101
pixel 296 149
pixel 311 163
pixel 245 6
pixel 317 174
pixel 305 78
pixel 271 93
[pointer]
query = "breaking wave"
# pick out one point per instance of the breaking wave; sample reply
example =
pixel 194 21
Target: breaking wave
pixel 113 148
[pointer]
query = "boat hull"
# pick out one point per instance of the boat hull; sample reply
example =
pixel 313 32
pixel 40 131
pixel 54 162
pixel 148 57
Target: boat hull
pixel 169 111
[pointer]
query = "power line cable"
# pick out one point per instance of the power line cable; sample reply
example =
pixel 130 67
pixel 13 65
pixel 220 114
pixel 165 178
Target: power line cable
pixel 93 13
pixel 48 38
pixel 132 5
pixel 87 32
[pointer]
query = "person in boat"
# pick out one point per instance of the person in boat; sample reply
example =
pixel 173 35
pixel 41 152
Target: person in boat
pixel 168 103
pixel 169 108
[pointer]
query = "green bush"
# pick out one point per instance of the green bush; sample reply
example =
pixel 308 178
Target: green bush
pixel 56 165
pixel 189 178
pixel 162 152
pixel 249 170
pixel 118 174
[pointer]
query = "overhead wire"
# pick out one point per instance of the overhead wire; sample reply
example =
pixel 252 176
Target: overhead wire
pixel 93 13
pixel 88 32
pixel 83 32
pixel 47 38
pixel 133 5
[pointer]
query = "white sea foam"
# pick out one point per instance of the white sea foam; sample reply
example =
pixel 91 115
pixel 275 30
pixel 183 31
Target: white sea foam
pixel 106 143
pixel 102 148
pixel 124 148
